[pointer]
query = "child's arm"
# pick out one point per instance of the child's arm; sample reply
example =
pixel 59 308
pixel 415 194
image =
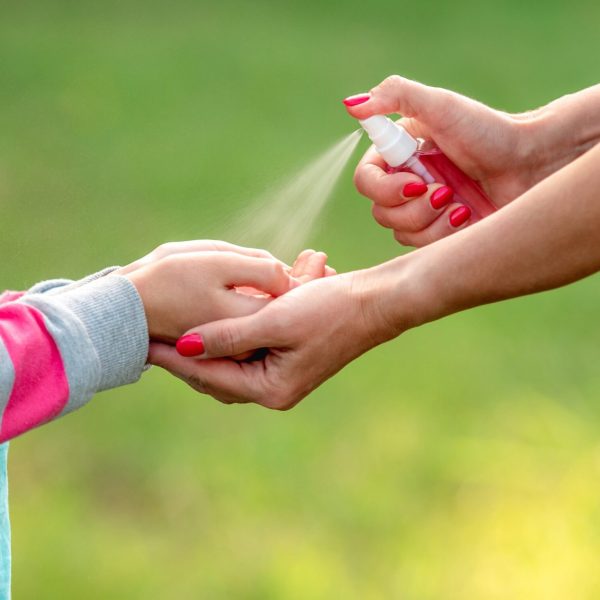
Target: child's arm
pixel 59 345
pixel 57 350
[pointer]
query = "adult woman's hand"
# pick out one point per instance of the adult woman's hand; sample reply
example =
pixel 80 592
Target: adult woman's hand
pixel 311 332
pixel 536 243
pixel 506 153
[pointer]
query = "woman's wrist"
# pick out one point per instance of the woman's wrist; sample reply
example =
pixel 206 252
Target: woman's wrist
pixel 554 135
pixel 395 297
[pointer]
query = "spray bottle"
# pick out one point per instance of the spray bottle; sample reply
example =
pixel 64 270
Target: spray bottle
pixel 402 152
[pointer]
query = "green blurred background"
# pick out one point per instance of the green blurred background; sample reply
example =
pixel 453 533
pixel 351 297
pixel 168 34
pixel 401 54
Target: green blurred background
pixel 461 461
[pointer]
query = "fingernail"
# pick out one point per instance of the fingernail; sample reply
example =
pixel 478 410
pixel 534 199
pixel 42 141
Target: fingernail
pixel 441 197
pixel 354 100
pixel 459 216
pixel 190 345
pixel 414 189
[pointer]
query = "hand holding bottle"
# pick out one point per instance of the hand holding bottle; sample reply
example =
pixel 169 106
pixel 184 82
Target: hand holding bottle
pixel 316 329
pixel 506 154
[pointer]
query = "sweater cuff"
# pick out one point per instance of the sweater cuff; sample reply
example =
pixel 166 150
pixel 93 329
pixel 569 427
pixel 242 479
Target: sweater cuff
pixel 53 286
pixel 112 313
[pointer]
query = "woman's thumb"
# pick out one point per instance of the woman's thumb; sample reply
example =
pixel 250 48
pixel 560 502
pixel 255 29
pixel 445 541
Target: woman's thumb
pixel 397 95
pixel 228 337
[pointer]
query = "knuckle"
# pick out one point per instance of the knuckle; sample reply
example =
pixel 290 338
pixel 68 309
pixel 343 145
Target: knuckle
pixel 225 262
pixel 428 237
pixel 225 256
pixel 380 215
pixel 278 269
pixel 225 340
pixel 444 96
pixel 260 253
pixel 198 384
pixel 279 400
pixel 168 263
pixel 359 180
pixel 165 248
pixel 391 82
pixel 284 395
pixel 282 321
pixel 402 238
pixel 422 240
pixel 412 223
pixel 407 221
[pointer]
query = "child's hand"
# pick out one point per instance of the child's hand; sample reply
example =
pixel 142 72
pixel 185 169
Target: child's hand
pixel 182 287
pixel 185 289
pixel 311 265
pixel 308 266
pixel 171 248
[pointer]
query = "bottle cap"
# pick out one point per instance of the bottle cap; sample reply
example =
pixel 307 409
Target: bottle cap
pixel 391 140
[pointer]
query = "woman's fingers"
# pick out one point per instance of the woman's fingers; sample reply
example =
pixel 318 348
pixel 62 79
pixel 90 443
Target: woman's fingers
pixel 227 381
pixel 383 188
pixel 453 218
pixel 425 219
pixel 416 128
pixel 418 213
pixel 231 337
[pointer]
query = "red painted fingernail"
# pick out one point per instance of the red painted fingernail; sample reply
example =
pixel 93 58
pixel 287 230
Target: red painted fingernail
pixel 190 345
pixel 414 189
pixel 459 216
pixel 354 100
pixel 441 197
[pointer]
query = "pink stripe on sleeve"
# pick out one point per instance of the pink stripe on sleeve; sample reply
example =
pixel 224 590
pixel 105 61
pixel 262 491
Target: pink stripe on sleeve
pixel 40 389
pixel 10 296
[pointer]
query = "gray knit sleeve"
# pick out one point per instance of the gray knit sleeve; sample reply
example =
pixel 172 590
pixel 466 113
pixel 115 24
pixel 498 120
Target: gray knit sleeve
pixel 53 286
pixel 101 332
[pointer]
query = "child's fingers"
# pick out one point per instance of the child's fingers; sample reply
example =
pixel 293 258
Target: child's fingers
pixel 453 218
pixel 267 275
pixel 330 271
pixel 249 291
pixel 299 267
pixel 209 246
pixel 309 265
pixel 314 267
pixel 193 246
pixel 238 304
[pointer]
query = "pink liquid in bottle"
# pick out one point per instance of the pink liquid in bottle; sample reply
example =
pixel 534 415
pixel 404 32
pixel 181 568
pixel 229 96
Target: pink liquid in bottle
pixel 404 153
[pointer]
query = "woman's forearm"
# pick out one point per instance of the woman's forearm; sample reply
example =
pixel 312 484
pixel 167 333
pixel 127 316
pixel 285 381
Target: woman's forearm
pixel 563 129
pixel 548 237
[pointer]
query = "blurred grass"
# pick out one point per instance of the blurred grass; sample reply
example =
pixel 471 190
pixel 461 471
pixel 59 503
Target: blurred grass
pixel 461 461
